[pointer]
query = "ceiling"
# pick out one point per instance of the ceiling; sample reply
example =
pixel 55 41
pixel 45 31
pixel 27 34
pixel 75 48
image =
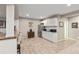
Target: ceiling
pixel 38 10
pixel 44 10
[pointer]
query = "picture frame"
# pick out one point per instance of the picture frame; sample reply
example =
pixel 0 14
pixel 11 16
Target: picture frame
pixel 2 24
pixel 61 24
pixel 75 25
pixel 30 24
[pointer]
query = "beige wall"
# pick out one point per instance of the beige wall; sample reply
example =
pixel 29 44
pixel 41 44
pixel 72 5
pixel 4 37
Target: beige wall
pixel 24 27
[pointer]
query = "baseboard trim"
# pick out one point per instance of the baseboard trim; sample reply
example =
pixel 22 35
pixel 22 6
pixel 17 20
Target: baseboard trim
pixel 70 38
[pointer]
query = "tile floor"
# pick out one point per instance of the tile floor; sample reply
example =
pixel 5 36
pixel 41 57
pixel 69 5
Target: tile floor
pixel 42 46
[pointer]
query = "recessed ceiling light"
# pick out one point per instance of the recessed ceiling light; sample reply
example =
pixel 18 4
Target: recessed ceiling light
pixel 41 17
pixel 27 15
pixel 68 4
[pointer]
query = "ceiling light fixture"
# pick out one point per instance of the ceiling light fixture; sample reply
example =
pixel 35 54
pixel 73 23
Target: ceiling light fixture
pixel 27 15
pixel 41 17
pixel 68 4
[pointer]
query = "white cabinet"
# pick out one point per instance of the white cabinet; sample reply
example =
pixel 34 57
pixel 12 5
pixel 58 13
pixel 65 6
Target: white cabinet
pixel 8 46
pixel 50 22
pixel 52 36
pixel 53 23
pixel 49 36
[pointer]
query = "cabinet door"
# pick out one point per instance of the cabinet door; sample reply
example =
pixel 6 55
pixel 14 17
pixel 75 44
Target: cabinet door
pixel 50 22
pixel 53 22
pixel 8 46
pixel 52 37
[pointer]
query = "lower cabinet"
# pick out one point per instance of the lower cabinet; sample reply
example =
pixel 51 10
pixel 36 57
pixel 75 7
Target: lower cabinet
pixel 50 36
pixel 8 46
pixel 31 34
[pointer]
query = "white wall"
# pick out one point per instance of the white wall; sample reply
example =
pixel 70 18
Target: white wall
pixel 24 26
pixel 73 32
pixel 60 29
pixel 65 21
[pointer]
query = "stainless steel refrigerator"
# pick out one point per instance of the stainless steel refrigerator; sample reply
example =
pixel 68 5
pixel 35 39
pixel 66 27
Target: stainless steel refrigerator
pixel 40 29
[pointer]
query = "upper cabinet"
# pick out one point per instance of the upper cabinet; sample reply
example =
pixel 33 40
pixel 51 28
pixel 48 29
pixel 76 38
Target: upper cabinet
pixel 50 22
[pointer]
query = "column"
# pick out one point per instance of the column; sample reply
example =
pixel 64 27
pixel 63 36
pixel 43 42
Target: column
pixel 9 20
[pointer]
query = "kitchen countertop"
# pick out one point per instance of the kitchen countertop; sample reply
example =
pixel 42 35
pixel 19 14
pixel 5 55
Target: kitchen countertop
pixel 50 31
pixel 5 38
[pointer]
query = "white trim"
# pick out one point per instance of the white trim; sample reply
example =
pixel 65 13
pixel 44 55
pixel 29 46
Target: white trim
pixel 70 38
